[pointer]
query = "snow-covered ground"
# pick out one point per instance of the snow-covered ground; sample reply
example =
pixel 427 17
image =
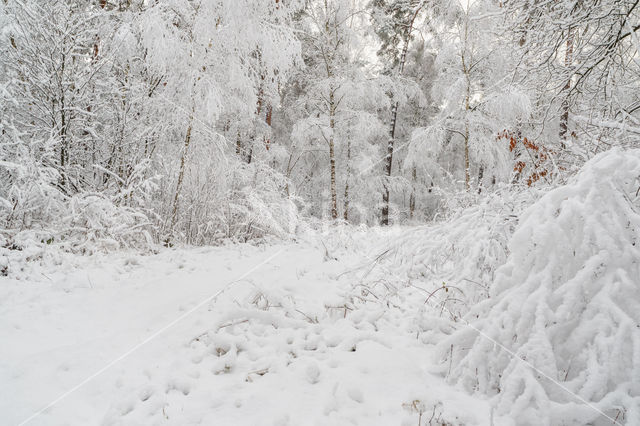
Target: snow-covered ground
pixel 274 334
pixel 502 314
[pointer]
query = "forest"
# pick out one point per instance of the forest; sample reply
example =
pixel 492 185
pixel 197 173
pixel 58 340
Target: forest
pixel 320 212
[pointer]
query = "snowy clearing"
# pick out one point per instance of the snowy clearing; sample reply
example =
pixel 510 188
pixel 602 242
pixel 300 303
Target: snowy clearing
pixel 276 348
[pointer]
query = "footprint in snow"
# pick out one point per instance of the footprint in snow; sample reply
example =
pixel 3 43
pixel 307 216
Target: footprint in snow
pixel 312 373
pixel 355 394
pixel 178 385
pixel 146 393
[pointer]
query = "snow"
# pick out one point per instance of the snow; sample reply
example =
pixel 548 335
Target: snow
pixel 565 301
pixel 283 344
pixel 135 135
pixel 520 309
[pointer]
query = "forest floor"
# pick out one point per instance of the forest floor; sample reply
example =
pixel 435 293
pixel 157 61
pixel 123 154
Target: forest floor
pixel 279 334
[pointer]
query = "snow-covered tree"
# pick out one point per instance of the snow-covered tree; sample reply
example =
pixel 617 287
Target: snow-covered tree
pixel 338 100
pixel 581 58
pixel 476 99
pixel 396 21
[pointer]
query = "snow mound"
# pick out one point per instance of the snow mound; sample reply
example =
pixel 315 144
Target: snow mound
pixel 560 333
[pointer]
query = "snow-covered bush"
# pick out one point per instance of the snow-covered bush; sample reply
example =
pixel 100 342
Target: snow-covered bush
pixel 559 336
pixel 226 198
pixel 95 222
pixel 460 254
pixel 256 205
pixel 28 196
pixel 34 210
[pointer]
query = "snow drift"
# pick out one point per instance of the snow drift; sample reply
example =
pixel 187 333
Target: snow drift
pixel 566 304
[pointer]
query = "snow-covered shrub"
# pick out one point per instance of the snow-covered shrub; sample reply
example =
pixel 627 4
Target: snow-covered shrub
pixel 257 205
pixel 227 198
pixel 460 254
pixel 35 211
pixel 560 337
pixel 28 196
pixel 95 222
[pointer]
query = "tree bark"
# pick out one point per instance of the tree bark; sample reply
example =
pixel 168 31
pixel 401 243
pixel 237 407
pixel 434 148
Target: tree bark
pixel 267 119
pixel 254 131
pixel 467 174
pixel 412 197
pixel 388 165
pixel 187 142
pixel 392 130
pixel 346 185
pixel 564 118
pixel 332 157
pixel 238 144
pixel 467 106
pixel 64 143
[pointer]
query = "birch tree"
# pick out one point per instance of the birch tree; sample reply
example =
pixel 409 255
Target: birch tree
pixel 338 90
pixel 216 53
pixel 397 21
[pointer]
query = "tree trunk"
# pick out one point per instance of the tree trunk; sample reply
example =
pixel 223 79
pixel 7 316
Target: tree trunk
pixel 480 178
pixel 388 165
pixel 238 144
pixel 63 146
pixel 467 174
pixel 467 106
pixel 289 171
pixel 187 142
pixel 268 117
pixel 332 157
pixel 254 131
pixel 394 118
pixel 412 197
pixel 564 118
pixel 64 143
pixel 346 185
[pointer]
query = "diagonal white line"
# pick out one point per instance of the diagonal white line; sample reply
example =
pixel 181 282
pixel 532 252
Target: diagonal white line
pixel 534 368
pixel 149 338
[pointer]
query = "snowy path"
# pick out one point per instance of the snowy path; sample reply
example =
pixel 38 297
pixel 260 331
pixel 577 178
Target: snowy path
pixel 277 347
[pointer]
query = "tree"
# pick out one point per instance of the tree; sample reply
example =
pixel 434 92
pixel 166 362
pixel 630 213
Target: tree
pixel 578 56
pixel 238 56
pixel 395 31
pixel 337 95
pixel 57 77
pixel 475 97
